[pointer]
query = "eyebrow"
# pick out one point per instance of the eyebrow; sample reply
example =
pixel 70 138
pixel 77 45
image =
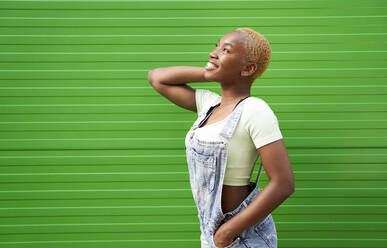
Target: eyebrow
pixel 226 43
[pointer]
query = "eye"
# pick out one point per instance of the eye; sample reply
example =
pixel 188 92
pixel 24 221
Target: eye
pixel 225 50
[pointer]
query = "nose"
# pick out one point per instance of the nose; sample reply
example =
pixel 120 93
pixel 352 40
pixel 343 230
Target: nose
pixel 214 54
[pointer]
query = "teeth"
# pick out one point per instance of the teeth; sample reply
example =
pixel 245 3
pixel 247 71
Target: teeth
pixel 210 66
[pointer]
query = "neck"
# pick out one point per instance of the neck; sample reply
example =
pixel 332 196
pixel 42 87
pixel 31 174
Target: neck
pixel 230 95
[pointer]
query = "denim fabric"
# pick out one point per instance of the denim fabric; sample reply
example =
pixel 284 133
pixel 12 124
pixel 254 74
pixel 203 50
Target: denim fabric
pixel 207 164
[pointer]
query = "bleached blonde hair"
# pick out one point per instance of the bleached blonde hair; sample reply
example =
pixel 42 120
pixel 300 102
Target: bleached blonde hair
pixel 257 50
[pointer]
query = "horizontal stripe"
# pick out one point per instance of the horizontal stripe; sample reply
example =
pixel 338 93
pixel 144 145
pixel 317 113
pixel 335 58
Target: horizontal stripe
pixel 180 138
pixel 339 189
pixel 170 35
pixel 91 190
pixel 168 173
pixel 109 1
pixel 99 207
pixel 156 189
pixel 104 53
pixel 171 121
pixel 288 137
pixel 187 206
pixel 173 240
pixel 100 241
pixel 207 87
pixel 187 223
pixel 189 17
pixel 86 122
pixel 344 239
pixel 105 139
pixel 181 156
pixel 114 224
pixel 95 173
pixel 145 70
pixel 171 104
pixel 337 172
pixel 92 104
pixel 108 156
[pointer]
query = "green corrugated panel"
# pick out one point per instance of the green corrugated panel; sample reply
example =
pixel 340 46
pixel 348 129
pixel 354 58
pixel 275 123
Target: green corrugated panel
pixel 92 156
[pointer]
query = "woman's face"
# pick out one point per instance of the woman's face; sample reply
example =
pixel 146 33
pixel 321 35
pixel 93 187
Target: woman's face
pixel 227 59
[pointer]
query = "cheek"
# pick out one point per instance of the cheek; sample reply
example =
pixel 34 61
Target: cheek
pixel 231 66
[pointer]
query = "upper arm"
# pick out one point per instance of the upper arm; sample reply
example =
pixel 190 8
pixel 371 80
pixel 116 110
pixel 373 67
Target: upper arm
pixel 261 123
pixel 180 94
pixel 276 162
pixel 263 128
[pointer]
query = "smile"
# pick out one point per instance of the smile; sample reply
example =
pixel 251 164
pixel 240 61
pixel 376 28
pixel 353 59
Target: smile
pixel 211 66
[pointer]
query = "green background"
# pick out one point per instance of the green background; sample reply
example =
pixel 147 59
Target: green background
pixel 92 156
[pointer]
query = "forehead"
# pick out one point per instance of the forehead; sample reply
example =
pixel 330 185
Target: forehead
pixel 235 38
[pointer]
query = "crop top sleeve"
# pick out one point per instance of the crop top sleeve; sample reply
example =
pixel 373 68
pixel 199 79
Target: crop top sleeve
pixel 261 123
pixel 257 119
pixel 205 99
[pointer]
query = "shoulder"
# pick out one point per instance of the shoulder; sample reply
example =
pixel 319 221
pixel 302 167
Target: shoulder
pixel 260 122
pixel 255 106
pixel 207 94
pixel 205 99
pixel 257 112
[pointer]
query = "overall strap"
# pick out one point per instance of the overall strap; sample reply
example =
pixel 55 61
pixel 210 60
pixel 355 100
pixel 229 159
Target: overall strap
pixel 232 121
pixel 259 173
pixel 203 117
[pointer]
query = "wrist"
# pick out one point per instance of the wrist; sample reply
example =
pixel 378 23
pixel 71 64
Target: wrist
pixel 204 75
pixel 229 230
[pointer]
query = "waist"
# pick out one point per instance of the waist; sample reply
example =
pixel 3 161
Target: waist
pixel 233 196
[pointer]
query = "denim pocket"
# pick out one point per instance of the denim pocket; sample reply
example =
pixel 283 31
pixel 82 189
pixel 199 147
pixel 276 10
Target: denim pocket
pixel 267 231
pixel 236 243
pixel 205 170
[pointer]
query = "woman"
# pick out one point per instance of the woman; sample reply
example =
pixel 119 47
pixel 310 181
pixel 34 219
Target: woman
pixel 232 130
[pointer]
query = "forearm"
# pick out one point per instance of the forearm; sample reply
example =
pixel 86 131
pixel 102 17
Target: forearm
pixel 263 204
pixel 176 75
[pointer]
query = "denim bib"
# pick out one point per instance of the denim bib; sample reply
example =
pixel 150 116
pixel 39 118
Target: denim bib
pixel 207 164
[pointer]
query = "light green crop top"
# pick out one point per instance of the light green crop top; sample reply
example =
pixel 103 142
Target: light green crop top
pixel 257 127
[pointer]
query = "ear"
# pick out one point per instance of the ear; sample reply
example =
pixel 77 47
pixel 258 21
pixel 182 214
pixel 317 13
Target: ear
pixel 249 69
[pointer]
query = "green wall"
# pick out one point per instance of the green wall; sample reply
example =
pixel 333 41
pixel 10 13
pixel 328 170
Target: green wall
pixel 92 156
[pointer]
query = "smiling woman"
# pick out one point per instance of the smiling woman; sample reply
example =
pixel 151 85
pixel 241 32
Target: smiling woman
pixel 224 143
pixel 255 47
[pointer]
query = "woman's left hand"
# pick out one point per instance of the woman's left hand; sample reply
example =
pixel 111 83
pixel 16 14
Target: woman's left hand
pixel 222 237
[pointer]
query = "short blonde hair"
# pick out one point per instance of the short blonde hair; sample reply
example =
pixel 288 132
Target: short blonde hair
pixel 257 50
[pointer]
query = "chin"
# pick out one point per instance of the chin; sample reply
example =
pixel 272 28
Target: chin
pixel 211 75
pixel 221 78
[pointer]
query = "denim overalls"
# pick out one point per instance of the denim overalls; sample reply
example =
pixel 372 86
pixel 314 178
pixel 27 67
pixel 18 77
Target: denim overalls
pixel 207 164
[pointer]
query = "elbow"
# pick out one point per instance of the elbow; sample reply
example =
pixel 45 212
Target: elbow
pixel 291 191
pixel 153 79
pixel 287 191
pixel 287 184
pixel 290 187
pixel 150 76
pixel 285 187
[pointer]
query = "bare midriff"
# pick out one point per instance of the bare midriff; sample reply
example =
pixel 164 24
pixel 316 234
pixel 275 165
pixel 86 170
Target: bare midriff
pixel 233 196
